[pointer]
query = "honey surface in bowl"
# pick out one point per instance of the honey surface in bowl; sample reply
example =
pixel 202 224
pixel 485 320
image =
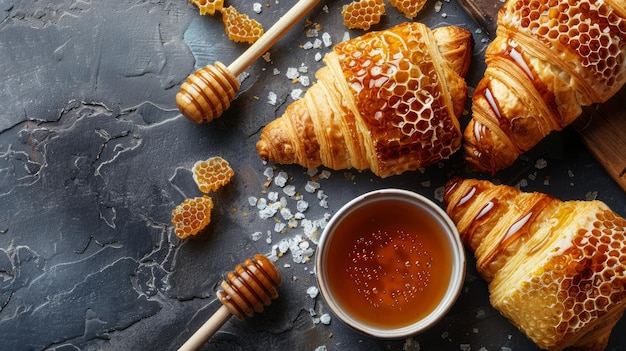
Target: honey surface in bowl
pixel 389 264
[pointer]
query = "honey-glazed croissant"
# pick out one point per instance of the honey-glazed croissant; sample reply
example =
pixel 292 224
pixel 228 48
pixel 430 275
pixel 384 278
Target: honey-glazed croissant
pixel 388 101
pixel 549 59
pixel 557 270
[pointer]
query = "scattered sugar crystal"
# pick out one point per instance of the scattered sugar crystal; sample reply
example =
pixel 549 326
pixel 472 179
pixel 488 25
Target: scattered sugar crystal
pixel 570 173
pixel 325 174
pixel 318 56
pixel 299 215
pixel 475 330
pixel 426 184
pixel 311 172
pixel 504 348
pixel 276 71
pixel 272 196
pixel 286 213
pixel 283 202
pixel 317 44
pixel 305 81
pixel 464 347
pixel 311 186
pixel 312 291
pixel 292 73
pixel 242 77
pixel 532 176
pixel 326 39
pixel 325 8
pixel 312 33
pixel 523 183
pixel 304 245
pixel 346 36
pixel 272 98
pixel 444 15
pixel 307 46
pixel 292 223
pixel 302 205
pixel 279 227
pixel 256 236
pixel 312 312
pixel 541 163
pixel 325 318
pixel 296 94
pixel 592 195
pixel 257 7
pixel 321 348
pixel 480 314
pixel 269 238
pixel 252 200
pixel 438 6
pixel 546 181
pixel 283 246
pixel 478 31
pixel 268 172
pixel 483 349
pixel 439 191
pixel 316 320
pixel 287 265
pixel 281 179
pixel 261 203
pixel 289 190
pixel 269 211
pixel 303 68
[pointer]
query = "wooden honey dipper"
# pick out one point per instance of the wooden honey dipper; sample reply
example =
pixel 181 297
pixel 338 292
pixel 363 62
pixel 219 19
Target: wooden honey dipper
pixel 245 291
pixel 207 93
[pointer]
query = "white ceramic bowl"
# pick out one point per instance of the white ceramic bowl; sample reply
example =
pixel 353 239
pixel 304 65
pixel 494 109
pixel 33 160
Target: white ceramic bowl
pixel 385 253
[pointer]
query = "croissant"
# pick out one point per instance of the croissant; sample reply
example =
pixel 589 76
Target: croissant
pixel 549 59
pixel 557 270
pixel 388 101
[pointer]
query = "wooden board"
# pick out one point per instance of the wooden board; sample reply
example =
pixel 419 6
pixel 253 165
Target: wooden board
pixel 602 128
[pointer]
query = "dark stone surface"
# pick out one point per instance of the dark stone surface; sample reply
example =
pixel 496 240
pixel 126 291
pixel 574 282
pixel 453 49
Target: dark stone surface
pixel 94 155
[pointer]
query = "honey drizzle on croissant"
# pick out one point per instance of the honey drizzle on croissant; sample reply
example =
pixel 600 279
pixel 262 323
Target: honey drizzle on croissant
pixel 550 58
pixel 557 270
pixel 388 101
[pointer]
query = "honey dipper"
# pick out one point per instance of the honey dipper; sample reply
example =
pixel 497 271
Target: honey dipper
pixel 245 291
pixel 207 93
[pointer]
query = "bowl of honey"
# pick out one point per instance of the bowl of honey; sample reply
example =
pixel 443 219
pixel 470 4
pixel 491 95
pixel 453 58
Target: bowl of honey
pixel 390 263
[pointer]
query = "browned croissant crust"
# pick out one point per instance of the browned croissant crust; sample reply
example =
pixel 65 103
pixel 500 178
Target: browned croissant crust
pixel 388 101
pixel 557 270
pixel 550 58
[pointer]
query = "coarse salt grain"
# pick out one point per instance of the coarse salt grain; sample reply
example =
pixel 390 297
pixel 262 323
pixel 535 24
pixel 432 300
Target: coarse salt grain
pixel 318 56
pixel 252 200
pixel 289 190
pixel 279 227
pixel 268 172
pixel 307 46
pixel 292 73
pixel 281 179
pixel 312 291
pixel 326 39
pixel 325 318
pixel 275 71
pixel 272 196
pixel 302 205
pixel 541 163
pixel 305 81
pixel 272 98
pixel 296 94
pixel 311 186
pixel 257 7
pixel 256 236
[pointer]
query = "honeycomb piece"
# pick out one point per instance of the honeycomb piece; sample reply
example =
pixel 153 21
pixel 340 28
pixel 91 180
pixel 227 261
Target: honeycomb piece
pixel 410 8
pixel 586 30
pixel 362 14
pixel 192 216
pixel 406 108
pixel 212 174
pixel 208 7
pixel 240 27
pixel 585 283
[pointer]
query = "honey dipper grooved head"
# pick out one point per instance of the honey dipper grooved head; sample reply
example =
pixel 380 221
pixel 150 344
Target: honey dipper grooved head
pixel 207 93
pixel 250 287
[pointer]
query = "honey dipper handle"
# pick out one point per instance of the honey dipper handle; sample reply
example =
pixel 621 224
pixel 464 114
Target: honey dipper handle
pixel 207 330
pixel 295 14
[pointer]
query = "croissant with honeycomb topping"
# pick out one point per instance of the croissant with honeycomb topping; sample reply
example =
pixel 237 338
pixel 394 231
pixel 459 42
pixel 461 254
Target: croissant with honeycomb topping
pixel 550 58
pixel 557 270
pixel 387 101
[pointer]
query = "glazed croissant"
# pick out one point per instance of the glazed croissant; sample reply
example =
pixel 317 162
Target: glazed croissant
pixel 548 60
pixel 387 101
pixel 557 270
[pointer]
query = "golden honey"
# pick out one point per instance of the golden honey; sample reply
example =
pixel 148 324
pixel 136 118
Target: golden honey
pixel 389 263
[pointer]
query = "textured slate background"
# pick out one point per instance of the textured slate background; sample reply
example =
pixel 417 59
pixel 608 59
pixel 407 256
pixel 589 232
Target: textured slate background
pixel 94 155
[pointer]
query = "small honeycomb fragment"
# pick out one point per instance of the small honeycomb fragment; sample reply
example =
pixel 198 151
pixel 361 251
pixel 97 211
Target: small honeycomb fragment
pixel 362 14
pixel 212 174
pixel 208 7
pixel 239 27
pixel 410 8
pixel 192 216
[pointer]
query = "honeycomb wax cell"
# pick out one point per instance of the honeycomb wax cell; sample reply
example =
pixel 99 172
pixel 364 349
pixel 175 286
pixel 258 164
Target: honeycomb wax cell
pixel 192 216
pixel 212 174
pixel 362 14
